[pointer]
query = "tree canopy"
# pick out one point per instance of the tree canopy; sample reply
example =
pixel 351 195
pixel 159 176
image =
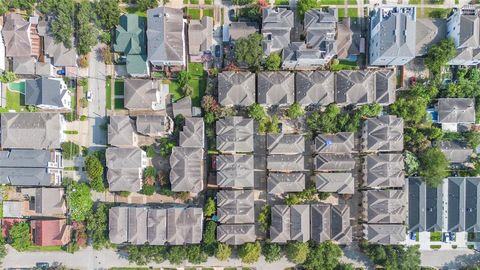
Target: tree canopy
pixel 108 13
pixel 297 252
pixel 250 252
pixel 223 252
pixel 256 111
pixel 62 12
pixel 439 54
pixel 249 50
pixel 272 252
pixel 305 5
pixel 273 62
pixel 79 199
pixel 325 256
pixel 210 207
pixel 70 150
pixel 433 166
pixel 295 111
pixel 19 236
pixel 395 257
pixel 94 167
pixel 86 31
pixel 97 226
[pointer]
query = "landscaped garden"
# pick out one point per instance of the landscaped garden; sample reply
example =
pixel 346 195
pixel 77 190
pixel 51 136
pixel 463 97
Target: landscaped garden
pixel 193 13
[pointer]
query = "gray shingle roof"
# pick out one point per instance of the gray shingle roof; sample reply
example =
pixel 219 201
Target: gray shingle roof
pixel 285 144
pixel 429 31
pixel 286 163
pixel 384 133
pixel 49 202
pixel 342 142
pixel 235 206
pixel 341 183
pixel 242 29
pixel 235 134
pixel 43 69
pixel 157 226
pixel 154 125
pixel 45 91
pixel 235 171
pixel 24 65
pixel 425 206
pixel 456 110
pixel 321 222
pixel 165 36
pixel 278 183
pixel 354 87
pixel 276 26
pixel 236 88
pixel 275 88
pixel 385 234
pixel 314 87
pixel 463 210
pixel 140 94
pixel 125 168
pixel 61 56
pixel 385 86
pixel 334 162
pixel 27 158
pixel 137 224
pixel 183 106
pixel 200 35
pixel 192 134
pixel 385 206
pixel 31 130
pixel 455 151
pixel 384 170
pixel 236 234
pixel 16 34
pixel 187 166
pixel 118 225
pixel 290 223
pixel 184 226
pixel 121 131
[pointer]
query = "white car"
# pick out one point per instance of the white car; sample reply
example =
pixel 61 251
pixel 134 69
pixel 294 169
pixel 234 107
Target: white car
pixel 89 96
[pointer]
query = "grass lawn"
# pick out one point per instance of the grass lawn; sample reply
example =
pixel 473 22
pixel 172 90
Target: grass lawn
pixel 351 12
pixel 434 13
pixel 194 13
pixel 344 65
pixel 198 86
pixel 119 104
pixel 135 10
pixel 208 12
pixel 175 91
pixel 435 246
pixel 185 2
pixel 119 87
pixel 414 2
pixel 108 89
pixel 281 2
pixel 435 236
pixel 337 2
pixel 46 248
pixel 15 101
pixel 208 2
pixel 196 69
pixel 194 2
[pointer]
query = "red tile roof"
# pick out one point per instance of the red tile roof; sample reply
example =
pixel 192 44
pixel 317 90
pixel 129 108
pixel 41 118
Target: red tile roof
pixel 50 232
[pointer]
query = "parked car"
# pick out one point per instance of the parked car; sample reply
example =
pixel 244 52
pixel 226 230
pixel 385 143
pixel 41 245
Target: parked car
pixel 61 72
pixel 89 96
pixel 42 265
pixel 217 50
pixel 231 15
pixel 413 236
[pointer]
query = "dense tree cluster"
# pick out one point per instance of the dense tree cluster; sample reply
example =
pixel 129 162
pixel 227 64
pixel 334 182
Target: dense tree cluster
pixel 70 150
pixel 86 31
pixel 248 50
pixel 97 226
pixel 62 12
pixel 439 54
pixel 79 199
pixel 273 62
pixel 394 257
pixel 108 13
pixel 19 236
pixel 433 166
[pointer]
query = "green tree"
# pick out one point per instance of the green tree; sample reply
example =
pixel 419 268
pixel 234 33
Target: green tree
pixel 97 184
pixel 433 166
pixel 145 254
pixel 250 252
pixel 143 5
pixel 395 257
pixel 473 139
pixel 272 252
pixel 411 163
pixel 210 238
pixel 70 150
pixel 150 172
pixel 273 62
pixel 223 252
pixel 86 31
pixel 345 266
pixel 19 236
pixel 94 167
pixel 297 252
pixel 196 255
pixel 273 125
pixel 183 78
pixel 79 199
pixel 148 190
pixel 412 110
pixel 177 254
pixel 295 111
pixel 305 5
pixel 97 226
pixel 166 147
pixel 248 50
pixel 150 151
pixel 323 256
pixel 292 199
pixel 439 54
pixel 210 208
pixel 264 218
pixel 256 111
pixel 3 249
pixel 8 77
pixel 108 13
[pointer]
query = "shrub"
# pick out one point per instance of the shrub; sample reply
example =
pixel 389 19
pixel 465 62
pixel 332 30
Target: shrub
pixel 70 150
pixel 19 236
pixel 148 189
pixel 97 184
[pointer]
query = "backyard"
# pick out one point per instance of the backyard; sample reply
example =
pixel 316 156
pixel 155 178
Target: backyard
pixel 344 65
pixel 351 12
pixel 194 13
pixel 197 82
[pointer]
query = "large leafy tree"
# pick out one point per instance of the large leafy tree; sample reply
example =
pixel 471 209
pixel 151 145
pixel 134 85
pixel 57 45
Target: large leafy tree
pixel 439 54
pixel 97 226
pixel 395 257
pixel 323 256
pixel 195 254
pixel 145 254
pixel 94 167
pixel 249 50
pixel 297 252
pixel 433 166
pixel 86 31
pixel 19 236
pixel 273 62
pixel 256 111
pixel 413 110
pixel 305 5
pixel 108 13
pixel 250 252
pixel 79 199
pixel 210 208
pixel 223 252
pixel 272 252
pixel 143 5
pixel 209 240
pixel 62 12
pixel 177 254
pixel 295 111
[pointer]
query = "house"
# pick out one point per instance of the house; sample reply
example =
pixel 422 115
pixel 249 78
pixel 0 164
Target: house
pixel 58 54
pixel 17 37
pixel 314 88
pixel 235 206
pixel 200 37
pixel 24 65
pixel 238 30
pixel 139 225
pixel 290 223
pixel 384 234
pixel 462 207
pixel 121 131
pixel 425 206
pixel 236 88
pixel 47 93
pixel 461 27
pixel 236 234
pixel 384 171
pixel 154 125
pixel 453 112
pixel 392 36
pixel 382 134
pixel 130 41
pixel 125 168
pixel 456 152
pixel 342 142
pixel 45 202
pixel 285 144
pixel 279 183
pixel 28 167
pixel 44 69
pixel 286 163
pixel 187 169
pixel 235 171
pixel 183 107
pixel 385 206
pixel 331 162
pixel 193 134
pixel 341 183
pixel 429 31
pixel 145 95
pixel 330 222
pixel 235 135
pixel 50 232
pixel 276 26
pixel 31 130
pixel 165 37
pixel 275 88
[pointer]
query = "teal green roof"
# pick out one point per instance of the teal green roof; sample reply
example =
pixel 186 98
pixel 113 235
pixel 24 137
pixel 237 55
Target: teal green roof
pixel 137 64
pixel 130 35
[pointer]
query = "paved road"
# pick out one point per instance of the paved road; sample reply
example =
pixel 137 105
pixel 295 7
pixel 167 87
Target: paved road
pixel 96 109
pixel 450 259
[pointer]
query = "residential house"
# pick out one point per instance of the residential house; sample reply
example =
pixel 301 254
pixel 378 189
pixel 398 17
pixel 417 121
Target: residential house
pixel 45 202
pixel 193 134
pixel 200 37
pixel 121 131
pixel 47 93
pixel 183 107
pixel 154 125
pixel 165 37
pixel 332 162
pixel 145 95
pixel 238 30
pixel 276 26
pixel 125 168
pixel 20 37
pixel 385 206
pixel 56 52
pixel 235 135
pixel 330 222
pixel 342 142
pixel 341 183
pixel 235 206
pixel 235 171
pixel 384 171
pixel 425 206
pixel 384 234
pixel 314 88
pixel 290 223
pixel 130 41
pixel 31 130
pixel 285 144
pixel 275 88
pixel 236 88
pixel 456 152
pixel 453 112
pixel 429 31
pixel 28 167
pixel 236 234
pixel 463 200
pixel 382 134
pixel 286 163
pixel 50 232
pixel 184 226
pixel 187 169
pixel 392 36
pixel 462 27
pixel 279 183
pixel 23 65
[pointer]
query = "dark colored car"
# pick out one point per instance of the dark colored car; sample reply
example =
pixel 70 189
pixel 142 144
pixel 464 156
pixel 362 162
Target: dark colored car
pixel 61 72
pixel 217 50
pixel 42 265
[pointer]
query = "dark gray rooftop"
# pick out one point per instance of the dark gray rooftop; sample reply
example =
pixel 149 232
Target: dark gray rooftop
pixel 425 206
pixel 385 206
pixel 342 142
pixel 341 183
pixel 285 144
pixel 314 87
pixel 334 162
pixel 385 234
pixel 236 234
pixel 236 88
pixel 455 151
pixel 286 163
pixel 384 170
pixel 278 183
pixel 275 88
pixel 235 134
pixel 187 169
pixel 121 131
pixel 383 134
pixel 235 171
pixel 235 206
pixel 44 91
pixel 456 110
